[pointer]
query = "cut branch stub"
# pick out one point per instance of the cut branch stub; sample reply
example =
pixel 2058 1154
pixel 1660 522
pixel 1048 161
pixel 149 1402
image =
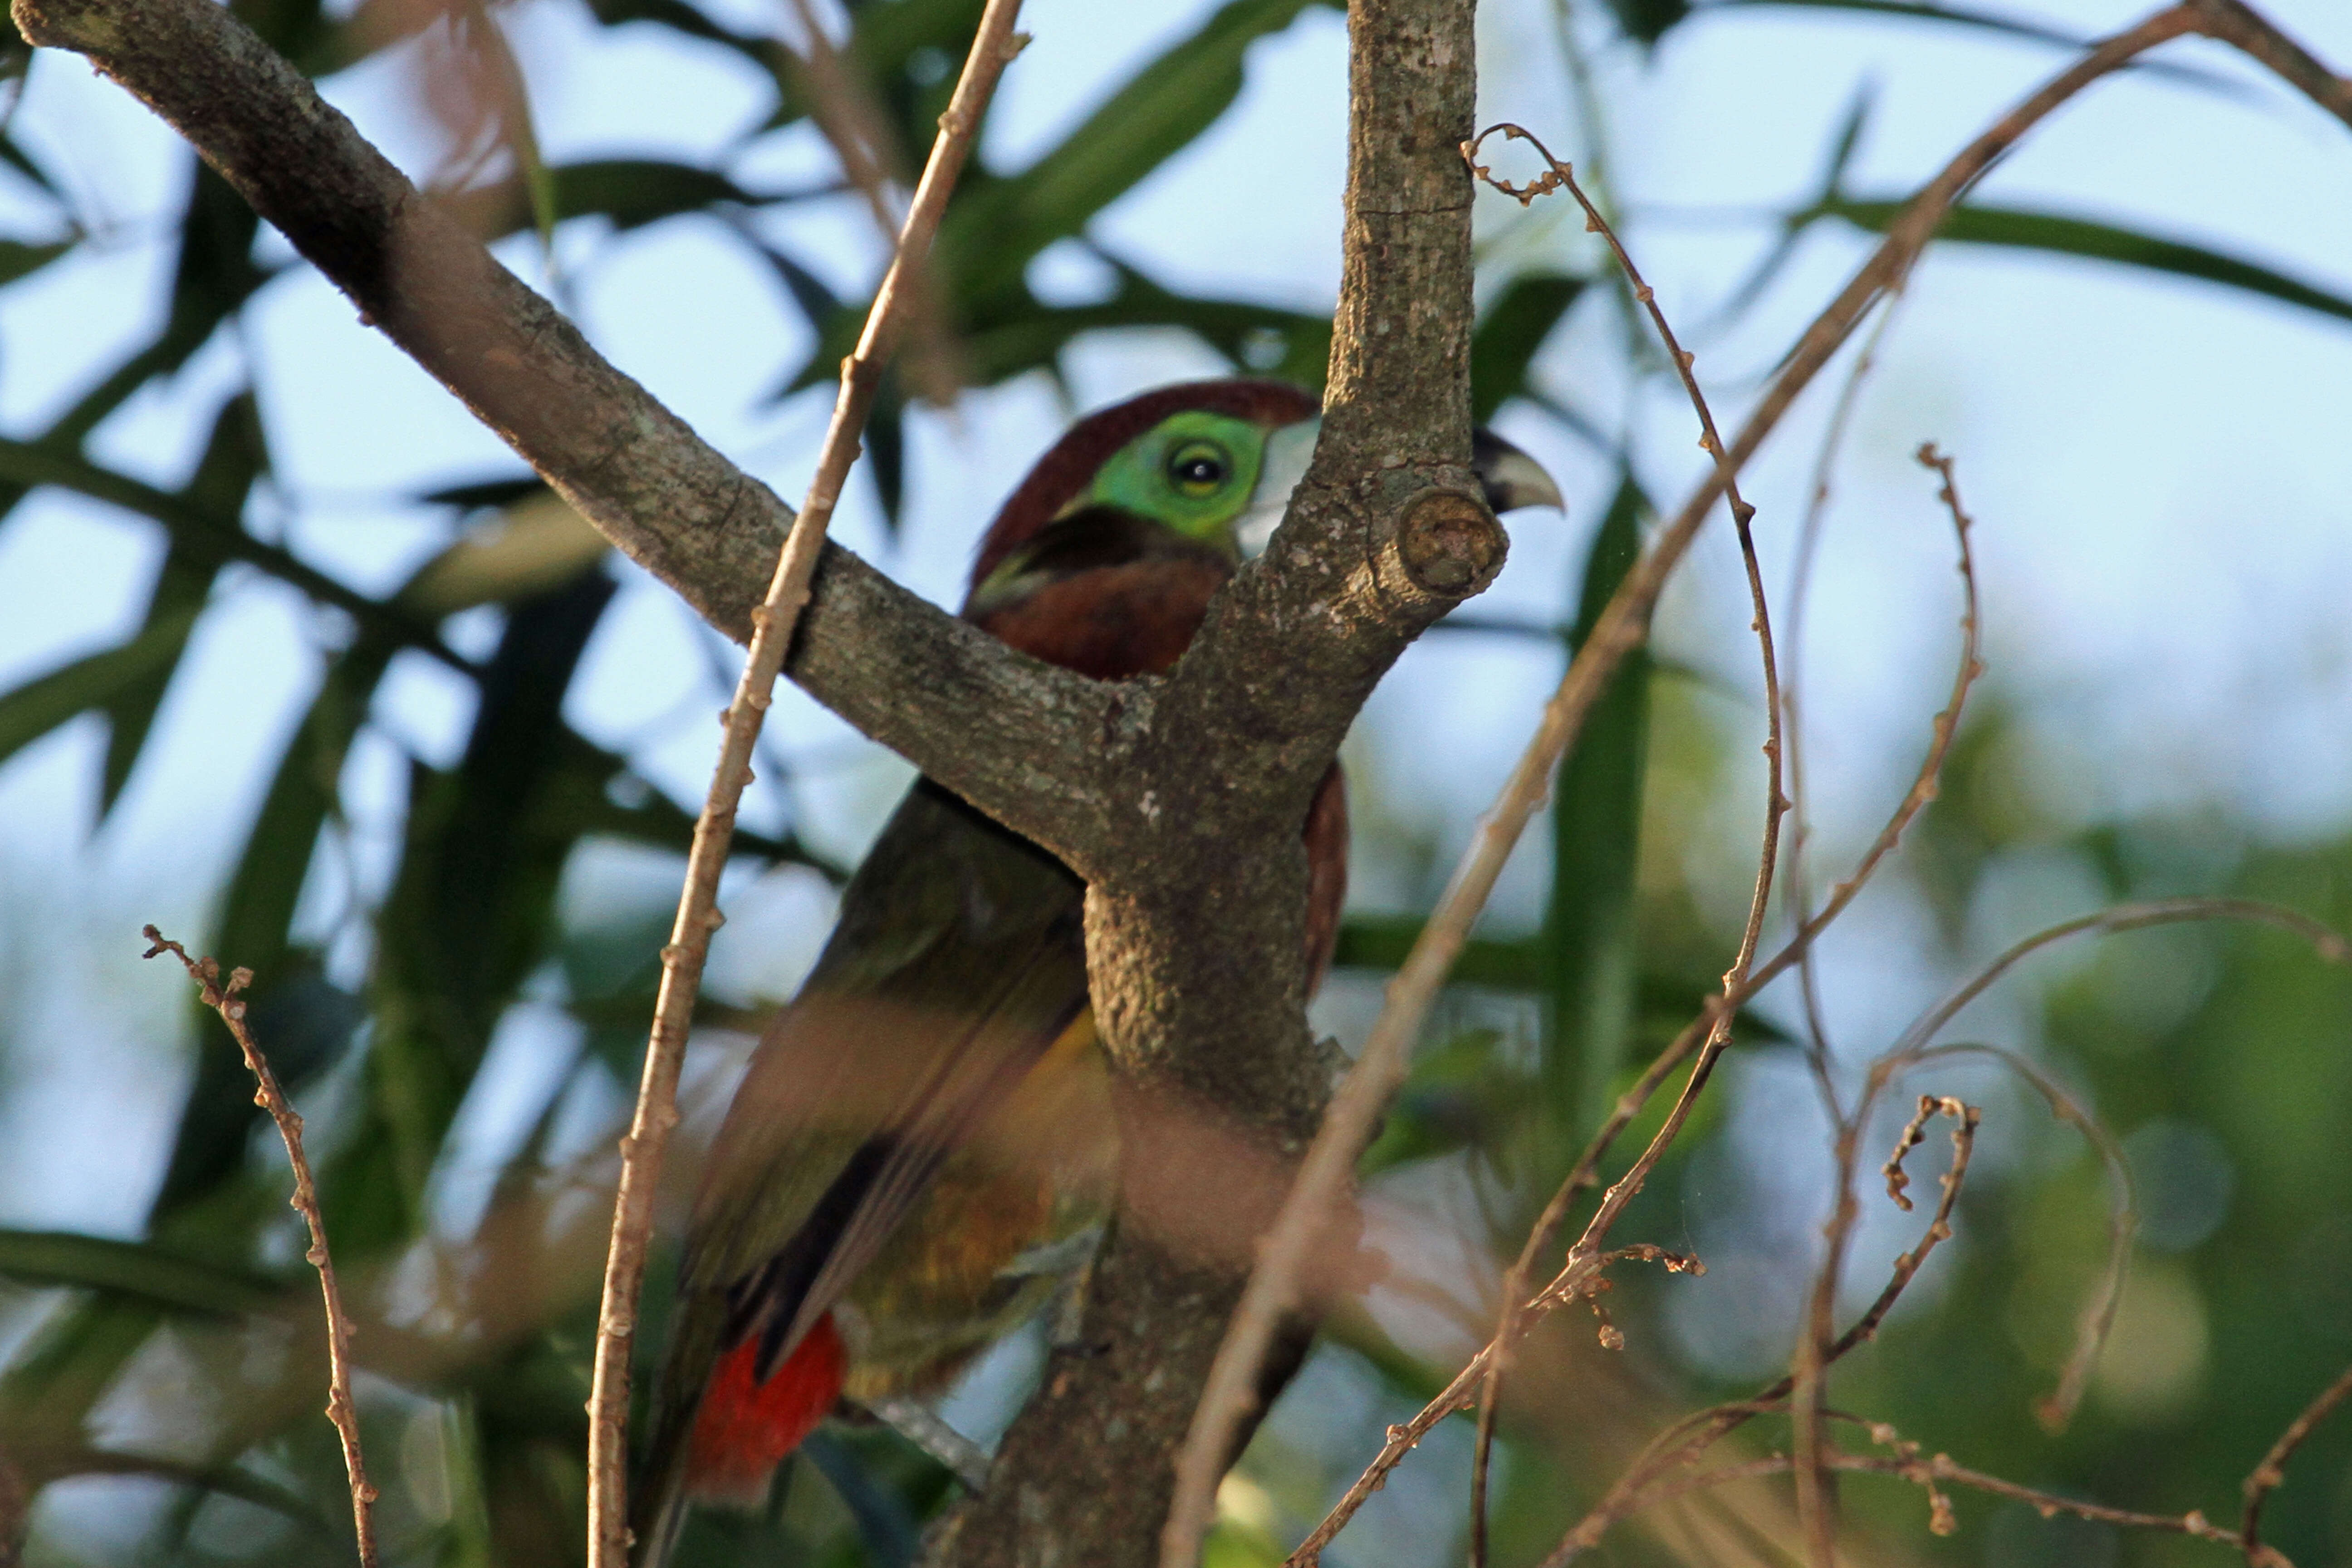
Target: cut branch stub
pixel 1450 543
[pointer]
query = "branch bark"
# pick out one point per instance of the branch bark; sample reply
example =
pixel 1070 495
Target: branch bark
pixel 1178 799
pixel 1015 735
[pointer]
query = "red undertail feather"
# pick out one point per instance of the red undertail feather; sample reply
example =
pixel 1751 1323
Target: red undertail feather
pixel 744 1428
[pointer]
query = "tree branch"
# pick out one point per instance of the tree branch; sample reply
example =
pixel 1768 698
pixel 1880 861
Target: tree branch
pixel 772 625
pixel 1193 931
pixel 1017 737
pixel 224 1000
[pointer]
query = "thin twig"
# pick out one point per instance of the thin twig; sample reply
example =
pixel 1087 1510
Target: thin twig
pixel 772 624
pixel 1801 582
pixel 225 1001
pixel 1560 176
pixel 1915 1047
pixel 1624 625
pixel 1680 1444
pixel 2241 27
pixel 1809 1360
pixel 2097 1317
pixel 1717 1016
pixel 846 111
pixel 1932 1473
pixel 2266 1476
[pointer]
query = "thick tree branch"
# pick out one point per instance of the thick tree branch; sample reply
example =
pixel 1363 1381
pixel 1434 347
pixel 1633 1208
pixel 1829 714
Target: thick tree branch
pixel 1193 931
pixel 1016 736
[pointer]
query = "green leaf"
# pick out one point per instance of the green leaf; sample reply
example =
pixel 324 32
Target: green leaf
pixel 215 276
pixel 136 1269
pixel 907 51
pixel 19 259
pixel 487 494
pixel 1016 334
pixel 630 191
pixel 1381 942
pixel 45 701
pixel 232 460
pixel 989 239
pixel 1460 1096
pixel 2063 235
pixel 1995 22
pixel 295 1023
pixel 205 536
pixel 227 1479
pixel 470 914
pixel 513 98
pixel 887 1526
pixel 1590 957
pixel 69 1363
pixel 1511 333
pixel 1647 21
pixel 290 27
pixel 885 447
pixel 538 545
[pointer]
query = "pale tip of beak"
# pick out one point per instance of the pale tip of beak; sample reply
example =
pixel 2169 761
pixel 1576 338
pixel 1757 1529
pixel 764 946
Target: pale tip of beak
pixel 1509 477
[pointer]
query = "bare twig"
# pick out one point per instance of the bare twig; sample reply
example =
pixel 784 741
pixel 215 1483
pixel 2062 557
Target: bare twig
pixel 2242 27
pixel 1809 1360
pixel 2266 1476
pixel 1719 1011
pixel 225 1001
pixel 1929 779
pixel 1680 1444
pixel 2057 1407
pixel 772 624
pixel 1624 623
pixel 844 109
pixel 1915 1047
pixel 1932 1473
pixel 1559 175
pixel 1800 580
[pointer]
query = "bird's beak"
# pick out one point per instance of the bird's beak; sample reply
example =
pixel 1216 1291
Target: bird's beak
pixel 1287 451
pixel 1509 477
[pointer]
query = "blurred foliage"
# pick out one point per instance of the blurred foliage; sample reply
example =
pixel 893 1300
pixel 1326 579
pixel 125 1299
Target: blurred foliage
pixel 191 1357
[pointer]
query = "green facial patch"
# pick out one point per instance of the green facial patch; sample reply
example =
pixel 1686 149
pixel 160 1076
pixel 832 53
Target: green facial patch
pixel 1193 472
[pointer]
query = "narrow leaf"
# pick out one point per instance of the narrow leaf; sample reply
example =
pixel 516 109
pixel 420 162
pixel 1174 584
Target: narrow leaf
pixel 1997 22
pixel 1015 333
pixel 19 259
pixel 255 931
pixel 1381 942
pixel 138 1270
pixel 45 701
pixel 2062 236
pixel 1647 21
pixel 1511 333
pixel 630 191
pixel 1589 956
pixel 537 545
pixel 234 458
pixel 470 913
pixel 990 239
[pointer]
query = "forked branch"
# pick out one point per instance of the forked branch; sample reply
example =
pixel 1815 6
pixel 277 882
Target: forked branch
pixel 225 1000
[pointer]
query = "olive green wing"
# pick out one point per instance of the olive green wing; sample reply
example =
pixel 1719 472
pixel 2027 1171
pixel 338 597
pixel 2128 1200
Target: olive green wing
pixel 957 958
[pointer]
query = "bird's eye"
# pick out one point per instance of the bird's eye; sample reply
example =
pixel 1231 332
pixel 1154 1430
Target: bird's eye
pixel 1198 467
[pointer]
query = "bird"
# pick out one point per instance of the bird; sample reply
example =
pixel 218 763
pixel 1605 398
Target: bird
pixel 921 1148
